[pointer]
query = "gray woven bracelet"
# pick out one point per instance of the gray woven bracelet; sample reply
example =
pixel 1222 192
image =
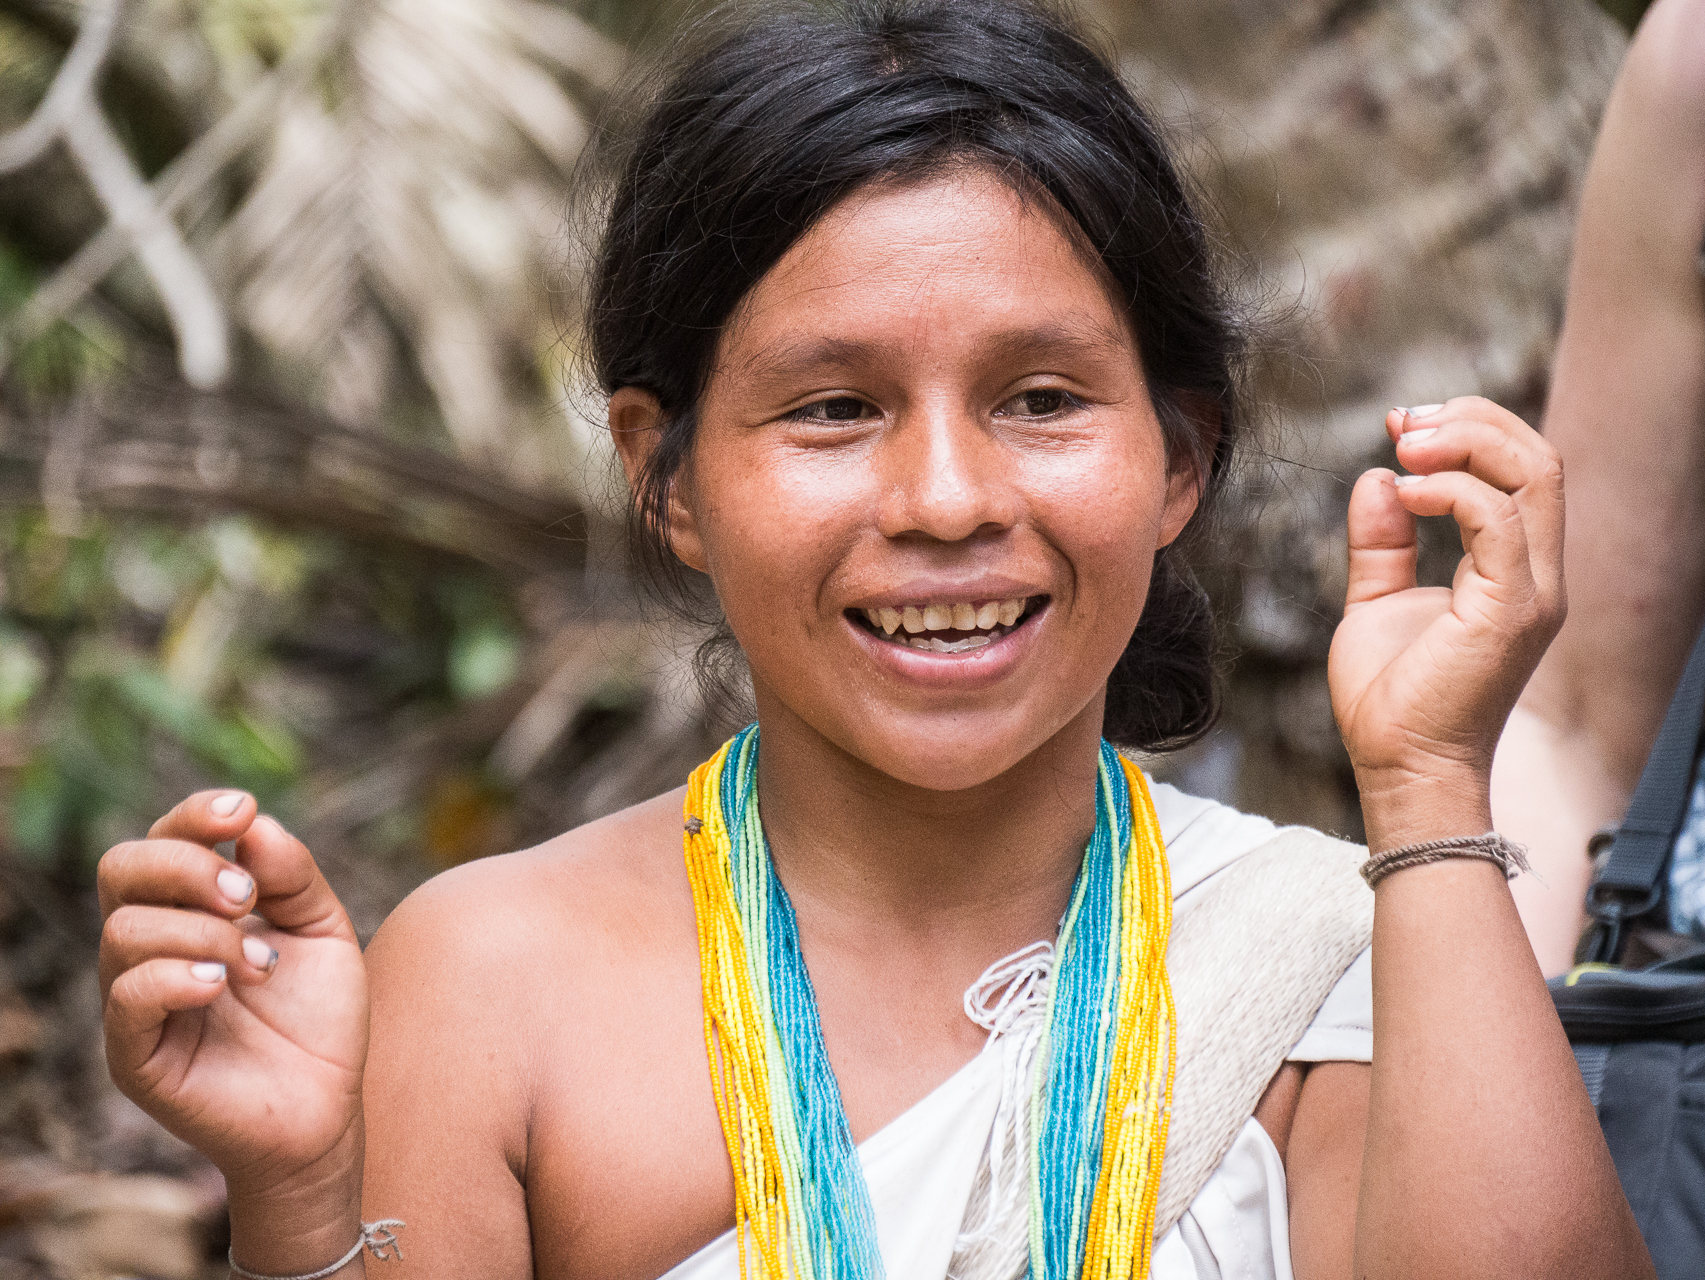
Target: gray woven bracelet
pixel 1509 857
pixel 379 1237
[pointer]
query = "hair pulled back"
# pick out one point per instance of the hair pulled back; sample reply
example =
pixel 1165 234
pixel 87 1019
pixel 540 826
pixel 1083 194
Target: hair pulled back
pixel 770 117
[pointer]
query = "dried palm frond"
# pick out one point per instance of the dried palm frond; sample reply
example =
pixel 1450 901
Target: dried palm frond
pixel 408 218
pixel 1396 182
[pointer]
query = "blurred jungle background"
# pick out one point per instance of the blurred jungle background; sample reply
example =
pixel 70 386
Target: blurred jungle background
pixel 298 491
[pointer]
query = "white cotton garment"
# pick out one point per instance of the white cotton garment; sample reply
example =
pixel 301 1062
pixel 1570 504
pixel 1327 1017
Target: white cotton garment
pixel 921 1167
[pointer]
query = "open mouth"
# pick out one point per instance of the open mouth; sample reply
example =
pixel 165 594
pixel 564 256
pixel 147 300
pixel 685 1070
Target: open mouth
pixel 956 627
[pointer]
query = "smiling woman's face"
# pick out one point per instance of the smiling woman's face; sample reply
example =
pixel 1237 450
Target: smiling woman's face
pixel 928 482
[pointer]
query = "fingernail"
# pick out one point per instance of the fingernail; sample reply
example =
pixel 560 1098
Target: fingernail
pixel 1404 481
pixel 235 885
pixel 259 954
pixel 207 971
pixel 224 806
pixel 1424 410
pixel 1415 437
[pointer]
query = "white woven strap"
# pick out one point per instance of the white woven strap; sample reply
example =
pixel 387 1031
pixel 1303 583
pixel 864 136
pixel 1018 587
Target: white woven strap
pixel 1255 951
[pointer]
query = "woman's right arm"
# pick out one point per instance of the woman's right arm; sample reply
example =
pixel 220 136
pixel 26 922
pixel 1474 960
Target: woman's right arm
pixel 237 1013
pixel 235 1008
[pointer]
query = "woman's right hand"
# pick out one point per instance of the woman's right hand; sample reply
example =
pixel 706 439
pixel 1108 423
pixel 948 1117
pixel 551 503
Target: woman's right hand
pixel 234 994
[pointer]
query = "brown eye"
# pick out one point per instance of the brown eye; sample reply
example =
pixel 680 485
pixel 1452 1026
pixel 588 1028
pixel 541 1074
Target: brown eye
pixel 838 409
pixel 1038 402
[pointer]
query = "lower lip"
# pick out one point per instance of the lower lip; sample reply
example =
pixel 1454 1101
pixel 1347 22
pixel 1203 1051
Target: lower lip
pixel 974 668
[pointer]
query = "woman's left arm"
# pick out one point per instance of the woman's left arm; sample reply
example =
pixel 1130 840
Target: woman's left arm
pixel 1482 1154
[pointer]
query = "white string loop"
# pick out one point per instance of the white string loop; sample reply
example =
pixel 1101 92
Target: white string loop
pixel 1010 1000
pixel 1012 990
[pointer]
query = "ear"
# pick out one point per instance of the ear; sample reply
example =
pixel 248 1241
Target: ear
pixel 636 427
pixel 1183 492
pixel 1184 480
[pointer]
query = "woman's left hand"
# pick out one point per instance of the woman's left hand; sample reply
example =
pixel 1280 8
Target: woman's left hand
pixel 1423 678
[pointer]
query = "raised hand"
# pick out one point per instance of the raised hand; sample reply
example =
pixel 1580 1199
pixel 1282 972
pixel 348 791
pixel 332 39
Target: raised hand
pixel 235 997
pixel 1423 679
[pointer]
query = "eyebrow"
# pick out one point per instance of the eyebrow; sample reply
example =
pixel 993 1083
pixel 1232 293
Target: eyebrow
pixel 794 357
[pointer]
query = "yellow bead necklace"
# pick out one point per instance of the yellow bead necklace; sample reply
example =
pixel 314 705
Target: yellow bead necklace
pixel 1100 1099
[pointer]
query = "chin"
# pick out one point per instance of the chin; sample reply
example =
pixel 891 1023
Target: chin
pixel 945 772
pixel 962 755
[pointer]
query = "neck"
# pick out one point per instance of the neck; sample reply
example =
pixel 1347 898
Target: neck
pixel 990 867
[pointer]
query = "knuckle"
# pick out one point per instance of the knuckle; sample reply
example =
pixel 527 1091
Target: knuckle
pixel 113 874
pixel 115 862
pixel 1505 512
pixel 164 822
pixel 148 987
pixel 119 932
pixel 180 861
pixel 129 990
pixel 139 866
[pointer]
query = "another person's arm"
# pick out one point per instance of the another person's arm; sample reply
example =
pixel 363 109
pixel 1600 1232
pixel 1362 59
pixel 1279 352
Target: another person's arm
pixel 1627 415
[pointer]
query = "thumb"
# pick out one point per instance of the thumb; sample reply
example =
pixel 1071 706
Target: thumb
pixel 290 891
pixel 1383 545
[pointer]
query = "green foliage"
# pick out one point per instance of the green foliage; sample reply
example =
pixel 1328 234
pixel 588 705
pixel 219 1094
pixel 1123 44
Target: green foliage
pixel 22 673
pixel 140 659
pixel 26 68
pixel 484 659
pixel 66 357
pixel 256 30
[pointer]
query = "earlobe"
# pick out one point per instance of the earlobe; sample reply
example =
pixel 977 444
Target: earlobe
pixel 636 428
pixel 683 526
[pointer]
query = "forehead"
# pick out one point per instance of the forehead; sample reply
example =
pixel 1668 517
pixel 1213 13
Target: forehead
pixel 961 251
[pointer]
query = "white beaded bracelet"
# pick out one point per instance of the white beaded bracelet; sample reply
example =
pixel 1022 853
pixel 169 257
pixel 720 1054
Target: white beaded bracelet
pixel 1509 857
pixel 379 1237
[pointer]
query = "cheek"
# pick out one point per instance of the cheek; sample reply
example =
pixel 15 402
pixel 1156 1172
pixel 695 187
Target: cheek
pixel 778 523
pixel 1107 518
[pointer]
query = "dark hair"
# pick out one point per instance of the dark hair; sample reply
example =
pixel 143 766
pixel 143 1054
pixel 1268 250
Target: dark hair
pixel 769 119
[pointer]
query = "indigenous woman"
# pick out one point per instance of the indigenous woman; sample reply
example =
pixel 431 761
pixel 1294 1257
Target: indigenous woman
pixel 913 346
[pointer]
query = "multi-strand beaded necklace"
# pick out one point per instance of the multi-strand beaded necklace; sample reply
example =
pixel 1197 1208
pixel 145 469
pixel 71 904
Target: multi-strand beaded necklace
pixel 1100 1099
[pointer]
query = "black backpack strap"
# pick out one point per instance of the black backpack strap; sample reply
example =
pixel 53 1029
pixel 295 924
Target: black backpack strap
pixel 1630 882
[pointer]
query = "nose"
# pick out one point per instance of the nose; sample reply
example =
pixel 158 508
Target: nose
pixel 945 476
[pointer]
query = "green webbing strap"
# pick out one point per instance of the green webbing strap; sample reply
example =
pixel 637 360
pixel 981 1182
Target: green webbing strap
pixel 1629 883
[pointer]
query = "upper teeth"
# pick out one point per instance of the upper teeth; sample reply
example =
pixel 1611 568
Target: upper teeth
pixel 959 616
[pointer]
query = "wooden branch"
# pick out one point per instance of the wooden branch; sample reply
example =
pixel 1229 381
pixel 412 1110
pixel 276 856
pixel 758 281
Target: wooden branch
pixel 178 452
pixel 197 316
pixel 74 83
pixel 72 112
pixel 180 181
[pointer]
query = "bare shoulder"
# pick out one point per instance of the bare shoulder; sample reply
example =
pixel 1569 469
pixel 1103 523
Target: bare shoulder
pixel 500 970
pixel 538 1044
pixel 609 877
